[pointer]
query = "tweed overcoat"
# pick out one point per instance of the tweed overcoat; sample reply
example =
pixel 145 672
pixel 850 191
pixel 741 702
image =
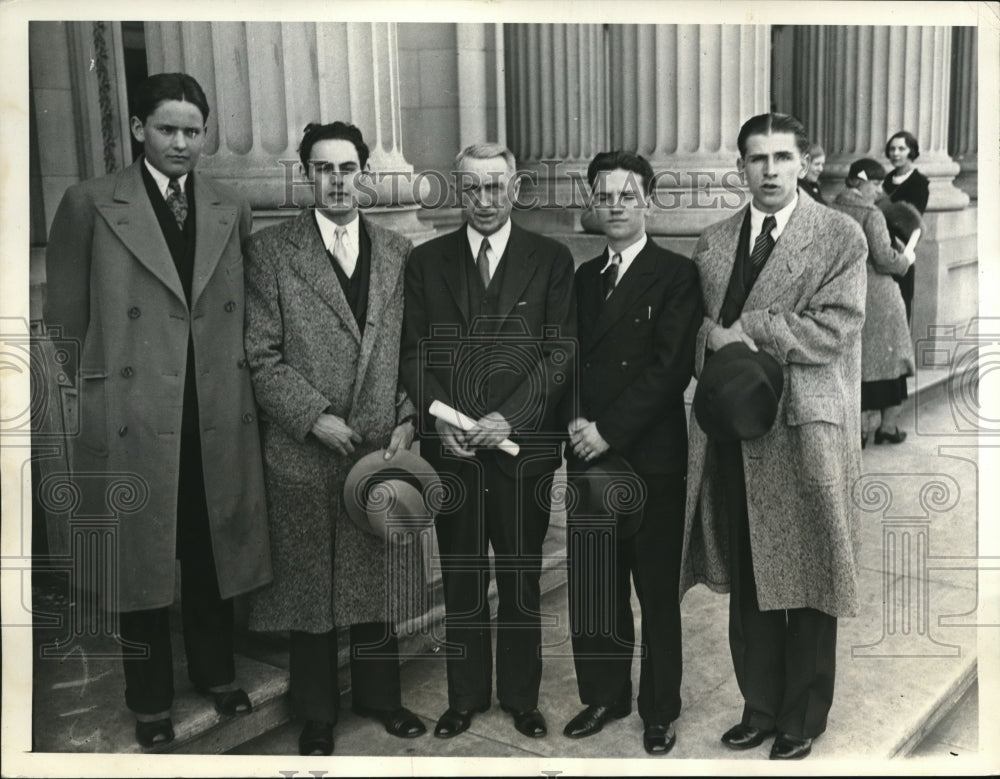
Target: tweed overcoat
pixel 113 286
pixel 806 309
pixel 886 348
pixel 306 354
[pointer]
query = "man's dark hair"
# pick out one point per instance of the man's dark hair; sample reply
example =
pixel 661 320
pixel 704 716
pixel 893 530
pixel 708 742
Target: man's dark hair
pixel 167 86
pixel 342 131
pixel 626 160
pixel 769 124
pixel 911 143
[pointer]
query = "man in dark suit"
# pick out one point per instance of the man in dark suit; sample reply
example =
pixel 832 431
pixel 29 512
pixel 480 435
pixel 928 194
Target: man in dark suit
pixel 639 310
pixel 488 327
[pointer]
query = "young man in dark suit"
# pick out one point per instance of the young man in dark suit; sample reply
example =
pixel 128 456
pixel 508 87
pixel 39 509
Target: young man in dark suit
pixel 489 321
pixel 639 310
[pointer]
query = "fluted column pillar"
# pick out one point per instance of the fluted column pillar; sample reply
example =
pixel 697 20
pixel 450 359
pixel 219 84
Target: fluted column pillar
pixel 859 85
pixel 963 138
pixel 266 81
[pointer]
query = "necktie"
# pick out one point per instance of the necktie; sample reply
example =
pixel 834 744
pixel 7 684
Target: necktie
pixel 483 262
pixel 610 275
pixel 342 253
pixel 764 243
pixel 177 201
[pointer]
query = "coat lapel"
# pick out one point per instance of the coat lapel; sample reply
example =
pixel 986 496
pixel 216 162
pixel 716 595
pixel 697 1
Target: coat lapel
pixel 384 276
pixel 312 263
pixel 132 219
pixel 716 265
pixel 518 271
pixel 214 225
pixel 631 286
pixel 451 270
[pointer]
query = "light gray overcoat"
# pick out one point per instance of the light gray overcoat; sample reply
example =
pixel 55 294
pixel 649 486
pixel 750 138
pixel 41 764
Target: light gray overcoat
pixel 806 309
pixel 306 354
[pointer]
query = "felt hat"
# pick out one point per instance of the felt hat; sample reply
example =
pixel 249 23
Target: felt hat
pixel 606 488
pixel 902 219
pixel 738 393
pixel 389 498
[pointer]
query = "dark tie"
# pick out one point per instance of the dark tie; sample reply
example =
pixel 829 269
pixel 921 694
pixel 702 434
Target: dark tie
pixel 764 243
pixel 611 275
pixel 483 263
pixel 177 201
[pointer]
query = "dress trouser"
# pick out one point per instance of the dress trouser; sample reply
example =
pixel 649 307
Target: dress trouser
pixel 599 583
pixel 510 514
pixel 312 666
pixel 206 618
pixel 785 660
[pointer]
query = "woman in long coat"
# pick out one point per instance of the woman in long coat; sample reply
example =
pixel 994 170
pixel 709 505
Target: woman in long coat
pixel 886 349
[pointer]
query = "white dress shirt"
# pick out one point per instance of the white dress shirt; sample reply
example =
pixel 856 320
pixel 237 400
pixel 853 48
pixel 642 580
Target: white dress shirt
pixel 351 241
pixel 162 179
pixel 628 254
pixel 498 244
pixel 780 217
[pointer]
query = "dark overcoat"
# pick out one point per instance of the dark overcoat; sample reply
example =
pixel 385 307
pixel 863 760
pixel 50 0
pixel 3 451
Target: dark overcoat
pixel 112 285
pixel 308 354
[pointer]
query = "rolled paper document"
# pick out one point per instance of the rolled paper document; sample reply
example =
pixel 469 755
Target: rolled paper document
pixel 455 417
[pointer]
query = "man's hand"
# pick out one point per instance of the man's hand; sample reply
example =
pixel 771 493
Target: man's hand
pixel 401 438
pixel 490 430
pixel 333 432
pixel 455 439
pixel 721 336
pixel 586 441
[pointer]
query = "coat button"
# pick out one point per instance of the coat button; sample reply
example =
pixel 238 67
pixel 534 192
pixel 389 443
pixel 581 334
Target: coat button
pixel 230 306
pixel 123 431
pixel 134 312
pixel 248 417
pixel 587 366
pixel 241 363
pixel 127 371
pixel 624 363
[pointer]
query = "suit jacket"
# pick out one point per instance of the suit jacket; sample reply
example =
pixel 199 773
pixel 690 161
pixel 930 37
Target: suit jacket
pixel 806 309
pixel 637 356
pixel 306 354
pixel 112 286
pixel 524 357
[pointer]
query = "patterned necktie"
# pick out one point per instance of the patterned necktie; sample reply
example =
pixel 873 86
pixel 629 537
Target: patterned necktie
pixel 342 254
pixel 610 275
pixel 483 263
pixel 764 243
pixel 177 201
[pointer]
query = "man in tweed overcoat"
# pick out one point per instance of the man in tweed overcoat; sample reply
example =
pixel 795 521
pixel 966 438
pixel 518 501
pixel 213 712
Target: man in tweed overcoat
pixel 771 520
pixel 324 313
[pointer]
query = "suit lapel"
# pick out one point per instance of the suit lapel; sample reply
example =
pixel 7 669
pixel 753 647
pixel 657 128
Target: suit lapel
pixel 451 270
pixel 786 261
pixel 631 286
pixel 214 225
pixel 716 267
pixel 131 218
pixel 518 271
pixel 312 263
pixel 383 277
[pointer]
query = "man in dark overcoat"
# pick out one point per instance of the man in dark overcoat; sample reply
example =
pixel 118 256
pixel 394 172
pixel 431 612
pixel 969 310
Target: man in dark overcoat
pixel 490 318
pixel 324 312
pixel 639 310
pixel 145 269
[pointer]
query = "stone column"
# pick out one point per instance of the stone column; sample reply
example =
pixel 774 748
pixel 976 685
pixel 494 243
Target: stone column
pixel 480 67
pixel 963 138
pixel 859 85
pixel 266 81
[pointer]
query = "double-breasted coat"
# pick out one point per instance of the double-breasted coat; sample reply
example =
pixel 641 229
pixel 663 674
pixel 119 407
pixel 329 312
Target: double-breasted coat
pixel 112 285
pixel 806 309
pixel 308 354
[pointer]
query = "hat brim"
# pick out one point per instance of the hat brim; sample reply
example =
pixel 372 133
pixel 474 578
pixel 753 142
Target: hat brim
pixel 421 471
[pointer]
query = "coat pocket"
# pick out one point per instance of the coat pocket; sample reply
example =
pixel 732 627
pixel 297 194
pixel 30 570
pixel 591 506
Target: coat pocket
pixel 93 410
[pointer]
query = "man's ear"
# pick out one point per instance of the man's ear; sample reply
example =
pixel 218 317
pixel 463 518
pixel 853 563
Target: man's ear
pixel 739 165
pixel 138 129
pixel 515 189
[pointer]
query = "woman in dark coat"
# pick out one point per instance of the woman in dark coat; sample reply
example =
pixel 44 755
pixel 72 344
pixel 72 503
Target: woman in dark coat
pixel 809 181
pixel 886 349
pixel 907 185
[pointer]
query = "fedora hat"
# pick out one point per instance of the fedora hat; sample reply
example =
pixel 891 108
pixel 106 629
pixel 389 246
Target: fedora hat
pixel 384 497
pixel 738 393
pixel 605 488
pixel 901 218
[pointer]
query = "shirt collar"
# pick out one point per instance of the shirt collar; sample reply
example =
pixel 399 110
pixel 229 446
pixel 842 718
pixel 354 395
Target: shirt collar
pixel 628 254
pixel 162 179
pixel 780 217
pixel 328 230
pixel 498 241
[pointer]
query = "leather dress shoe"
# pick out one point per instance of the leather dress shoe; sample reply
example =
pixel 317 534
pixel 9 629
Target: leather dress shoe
pixel 593 719
pixel 529 723
pixel 659 739
pixel 787 747
pixel 316 738
pixel 454 721
pixel 399 722
pixel 892 438
pixel 229 702
pixel 745 736
pixel 154 734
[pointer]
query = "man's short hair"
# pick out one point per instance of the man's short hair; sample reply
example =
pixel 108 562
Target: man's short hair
pixel 626 160
pixel 341 131
pixel 487 151
pixel 911 143
pixel 161 87
pixel 770 124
